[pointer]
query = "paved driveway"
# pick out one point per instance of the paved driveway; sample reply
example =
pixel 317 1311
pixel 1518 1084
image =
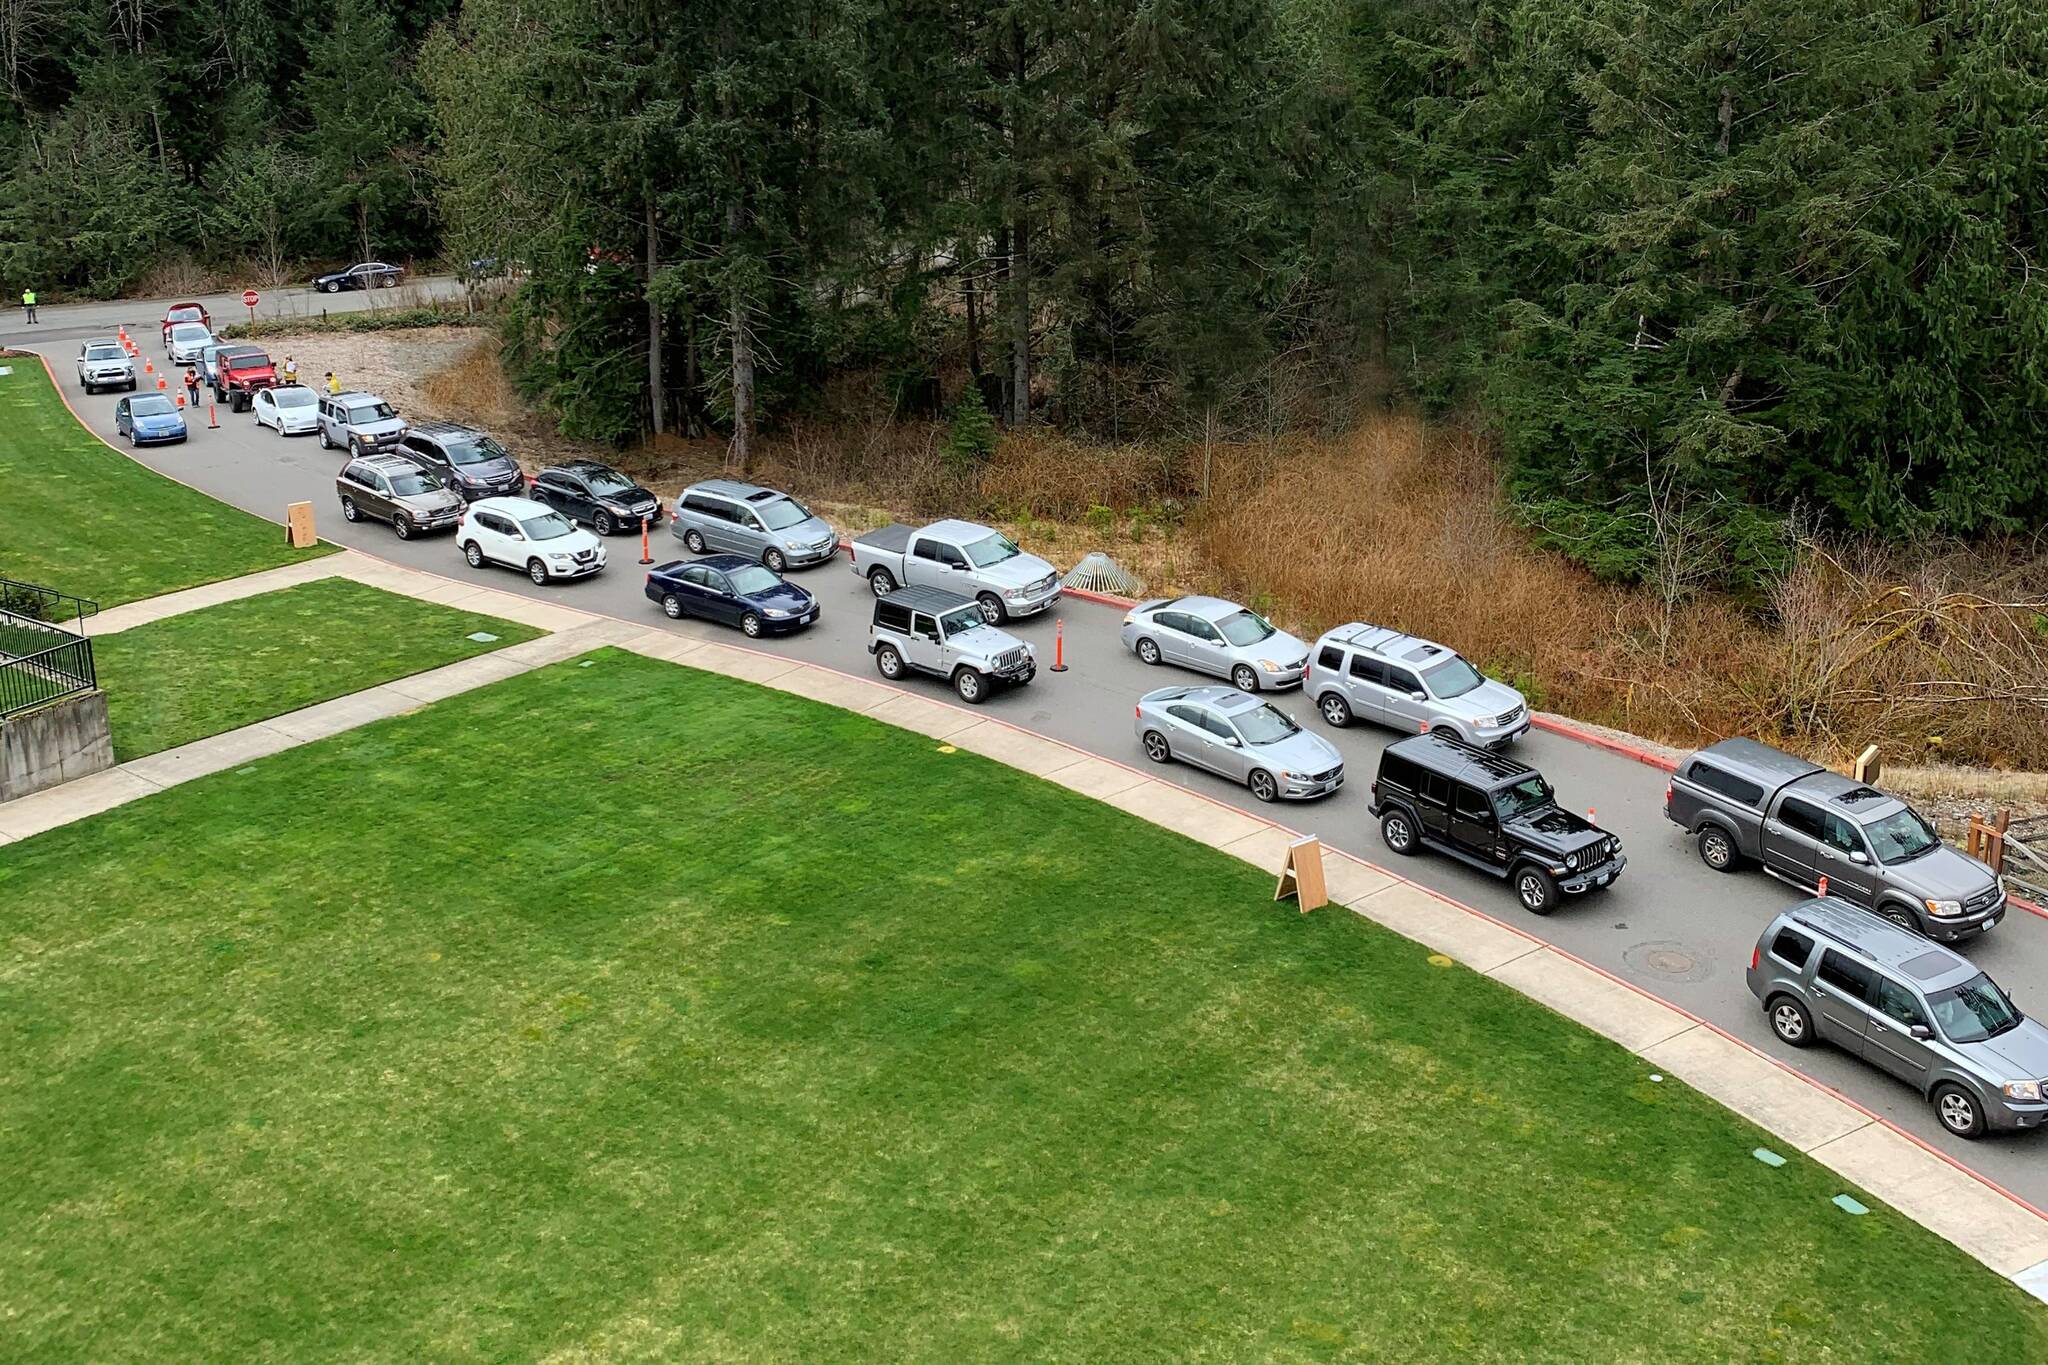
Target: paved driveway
pixel 1670 925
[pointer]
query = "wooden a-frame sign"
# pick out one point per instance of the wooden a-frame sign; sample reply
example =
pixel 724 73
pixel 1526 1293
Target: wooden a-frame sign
pixel 1302 878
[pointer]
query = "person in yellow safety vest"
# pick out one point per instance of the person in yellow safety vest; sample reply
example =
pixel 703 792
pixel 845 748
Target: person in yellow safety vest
pixel 333 384
pixel 28 303
pixel 291 370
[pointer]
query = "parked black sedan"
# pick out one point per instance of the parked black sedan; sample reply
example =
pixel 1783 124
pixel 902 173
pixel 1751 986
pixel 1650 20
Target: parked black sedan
pixel 584 490
pixel 731 590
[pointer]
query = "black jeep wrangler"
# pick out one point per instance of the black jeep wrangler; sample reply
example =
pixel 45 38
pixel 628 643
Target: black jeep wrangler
pixel 1493 812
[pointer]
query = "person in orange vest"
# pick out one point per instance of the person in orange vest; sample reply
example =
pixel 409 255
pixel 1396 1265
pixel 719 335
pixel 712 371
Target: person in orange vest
pixel 191 387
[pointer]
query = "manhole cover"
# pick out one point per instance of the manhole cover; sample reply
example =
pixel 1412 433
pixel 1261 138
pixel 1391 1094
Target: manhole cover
pixel 1669 960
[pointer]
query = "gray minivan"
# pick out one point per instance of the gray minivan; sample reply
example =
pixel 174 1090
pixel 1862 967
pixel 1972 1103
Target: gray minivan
pixel 746 519
pixel 1828 970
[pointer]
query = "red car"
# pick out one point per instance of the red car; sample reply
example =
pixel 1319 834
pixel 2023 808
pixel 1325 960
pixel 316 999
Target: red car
pixel 238 372
pixel 185 312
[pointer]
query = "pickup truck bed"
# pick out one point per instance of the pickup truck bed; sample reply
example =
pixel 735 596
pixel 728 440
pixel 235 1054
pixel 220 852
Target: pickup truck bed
pixel 893 539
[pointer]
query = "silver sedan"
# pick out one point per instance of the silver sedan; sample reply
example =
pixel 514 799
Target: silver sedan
pixel 1238 737
pixel 1218 637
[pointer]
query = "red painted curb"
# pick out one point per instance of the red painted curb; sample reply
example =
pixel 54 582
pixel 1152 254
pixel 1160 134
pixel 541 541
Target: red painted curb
pixel 1558 725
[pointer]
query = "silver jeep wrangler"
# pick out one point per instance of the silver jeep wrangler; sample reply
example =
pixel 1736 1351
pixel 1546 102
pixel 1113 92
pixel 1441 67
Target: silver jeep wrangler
pixel 930 630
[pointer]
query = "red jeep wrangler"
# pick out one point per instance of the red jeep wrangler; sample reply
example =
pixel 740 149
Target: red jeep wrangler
pixel 238 371
pixel 184 312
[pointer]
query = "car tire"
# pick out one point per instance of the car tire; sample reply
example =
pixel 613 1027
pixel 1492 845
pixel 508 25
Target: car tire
pixel 1535 890
pixel 279 429
pixel 971 687
pixel 1336 711
pixel 401 525
pixel 992 609
pixel 672 606
pixel 602 523
pixel 90 389
pixel 888 662
pixel 693 541
pixel 1397 832
pixel 1790 1022
pixel 474 553
pixel 538 572
pixel 1156 747
pixel 331 287
pixel 1717 849
pixel 1894 913
pixel 1263 786
pixel 775 561
pixel 750 626
pixel 881 582
pixel 1244 678
pixel 349 510
pixel 325 444
pixel 1147 651
pixel 1958 1111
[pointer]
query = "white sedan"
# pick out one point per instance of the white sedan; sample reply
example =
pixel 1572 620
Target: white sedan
pixel 288 409
pixel 188 340
pixel 520 533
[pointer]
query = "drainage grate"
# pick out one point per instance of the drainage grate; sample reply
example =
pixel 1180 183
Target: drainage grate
pixel 1097 572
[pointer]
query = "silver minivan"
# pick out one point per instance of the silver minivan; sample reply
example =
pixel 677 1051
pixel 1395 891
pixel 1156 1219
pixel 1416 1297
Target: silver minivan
pixel 1370 673
pixel 723 515
pixel 1826 970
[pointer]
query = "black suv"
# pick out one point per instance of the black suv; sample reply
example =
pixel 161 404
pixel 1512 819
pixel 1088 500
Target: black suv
pixel 473 464
pixel 584 490
pixel 1493 812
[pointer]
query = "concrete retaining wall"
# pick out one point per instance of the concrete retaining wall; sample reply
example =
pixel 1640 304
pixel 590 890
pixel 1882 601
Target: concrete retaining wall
pixel 60 742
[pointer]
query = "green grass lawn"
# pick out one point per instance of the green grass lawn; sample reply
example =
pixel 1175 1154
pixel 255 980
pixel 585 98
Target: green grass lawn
pixel 186 677
pixel 619 1011
pixel 89 521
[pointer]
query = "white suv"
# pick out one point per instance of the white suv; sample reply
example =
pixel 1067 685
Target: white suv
pixel 520 533
pixel 103 363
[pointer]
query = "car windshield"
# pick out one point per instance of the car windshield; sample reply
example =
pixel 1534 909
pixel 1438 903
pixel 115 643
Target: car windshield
pixel 1452 678
pixel 1526 795
pixel 185 315
pixel 1901 836
pixel 960 620
pixel 752 579
pixel 553 526
pixel 607 481
pixel 292 398
pixel 103 353
pixel 1264 725
pixel 779 514
pixel 243 360
pixel 189 331
pixel 152 405
pixel 372 412
pixel 1245 627
pixel 480 450
pixel 993 550
pixel 407 485
pixel 1974 1011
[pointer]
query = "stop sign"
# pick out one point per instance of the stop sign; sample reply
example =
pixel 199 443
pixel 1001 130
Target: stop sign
pixel 248 298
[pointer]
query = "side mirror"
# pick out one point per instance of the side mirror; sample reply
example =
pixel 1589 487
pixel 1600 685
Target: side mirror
pixel 1418 696
pixel 1859 857
pixel 1234 742
pixel 1920 1031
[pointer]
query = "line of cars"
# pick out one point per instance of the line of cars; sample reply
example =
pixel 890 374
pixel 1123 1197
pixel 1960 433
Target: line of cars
pixel 1856 964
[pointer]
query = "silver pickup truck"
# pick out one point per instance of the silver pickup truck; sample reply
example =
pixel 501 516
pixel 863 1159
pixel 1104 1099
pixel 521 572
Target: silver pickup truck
pixel 975 561
pixel 1745 801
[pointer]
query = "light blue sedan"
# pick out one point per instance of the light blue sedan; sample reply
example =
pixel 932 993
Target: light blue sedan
pixel 149 419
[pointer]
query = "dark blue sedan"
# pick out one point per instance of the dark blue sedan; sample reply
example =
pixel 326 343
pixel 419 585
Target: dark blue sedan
pixel 733 591
pixel 147 418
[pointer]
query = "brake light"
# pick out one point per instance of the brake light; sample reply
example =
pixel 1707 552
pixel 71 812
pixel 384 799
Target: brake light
pixel 1307 670
pixel 1667 795
pixel 1138 713
pixel 1756 954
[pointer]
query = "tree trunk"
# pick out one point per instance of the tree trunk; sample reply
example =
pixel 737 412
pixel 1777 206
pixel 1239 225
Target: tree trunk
pixel 742 388
pixel 973 323
pixel 657 395
pixel 692 381
pixel 1020 321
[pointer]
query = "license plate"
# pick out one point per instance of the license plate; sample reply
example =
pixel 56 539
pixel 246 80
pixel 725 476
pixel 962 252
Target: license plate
pixel 807 618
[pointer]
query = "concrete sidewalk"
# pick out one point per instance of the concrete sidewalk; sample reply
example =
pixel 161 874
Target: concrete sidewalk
pixel 1998 1230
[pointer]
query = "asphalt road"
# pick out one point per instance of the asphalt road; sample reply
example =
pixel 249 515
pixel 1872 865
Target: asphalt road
pixel 1669 925
pixel 60 322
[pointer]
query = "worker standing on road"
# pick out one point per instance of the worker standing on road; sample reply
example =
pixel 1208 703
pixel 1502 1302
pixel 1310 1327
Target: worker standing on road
pixel 333 384
pixel 291 370
pixel 28 303
pixel 191 387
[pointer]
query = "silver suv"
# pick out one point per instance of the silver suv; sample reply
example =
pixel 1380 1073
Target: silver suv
pixel 1825 969
pixel 1374 674
pixel 745 519
pixel 360 423
pixel 930 630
